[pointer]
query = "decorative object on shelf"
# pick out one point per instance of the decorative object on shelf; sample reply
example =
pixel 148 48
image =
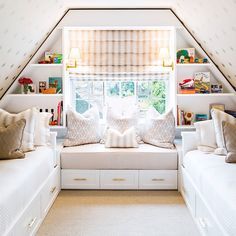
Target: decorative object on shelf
pixel 216 88
pixel 51 58
pixel 188 117
pixel 185 55
pixel 202 82
pixel 49 91
pixel 187 86
pixel 60 113
pixel 218 106
pixel 25 84
pixel 164 55
pixel 32 89
pixel 42 86
pixel 73 59
pixel 184 118
pixel 201 117
pixel 55 82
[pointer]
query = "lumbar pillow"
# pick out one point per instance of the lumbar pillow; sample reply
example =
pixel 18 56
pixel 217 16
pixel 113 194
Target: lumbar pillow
pixel 10 140
pixel 206 135
pixel 229 132
pixel 159 129
pixel 82 128
pixel 42 129
pixel 218 117
pixel 123 140
pixel 30 116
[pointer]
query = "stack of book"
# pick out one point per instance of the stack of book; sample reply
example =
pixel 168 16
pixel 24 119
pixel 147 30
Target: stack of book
pixel 187 86
pixel 184 118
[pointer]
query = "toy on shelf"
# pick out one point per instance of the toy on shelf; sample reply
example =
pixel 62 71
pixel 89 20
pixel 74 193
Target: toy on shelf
pixel 187 86
pixel 51 58
pixel 188 117
pixel 187 56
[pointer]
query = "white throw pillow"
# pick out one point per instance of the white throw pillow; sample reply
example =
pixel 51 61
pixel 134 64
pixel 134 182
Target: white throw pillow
pixel 82 128
pixel 206 135
pixel 42 129
pixel 30 116
pixel 218 118
pixel 159 129
pixel 122 140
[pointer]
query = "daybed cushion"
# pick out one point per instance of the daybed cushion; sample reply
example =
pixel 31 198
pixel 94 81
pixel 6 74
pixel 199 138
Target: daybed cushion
pixel 19 181
pixel 96 156
pixel 216 180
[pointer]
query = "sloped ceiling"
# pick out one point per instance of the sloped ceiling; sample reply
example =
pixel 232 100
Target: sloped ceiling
pixel 26 23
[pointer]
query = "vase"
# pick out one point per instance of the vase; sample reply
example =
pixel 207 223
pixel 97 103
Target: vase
pixel 24 88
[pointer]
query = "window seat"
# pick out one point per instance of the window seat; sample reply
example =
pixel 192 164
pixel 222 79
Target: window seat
pixel 92 166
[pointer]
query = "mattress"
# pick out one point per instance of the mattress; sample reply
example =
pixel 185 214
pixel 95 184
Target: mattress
pixel 19 182
pixel 96 156
pixel 216 180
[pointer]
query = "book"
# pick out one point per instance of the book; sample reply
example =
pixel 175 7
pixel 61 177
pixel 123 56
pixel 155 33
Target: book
pixel 55 82
pixel 185 55
pixel 202 82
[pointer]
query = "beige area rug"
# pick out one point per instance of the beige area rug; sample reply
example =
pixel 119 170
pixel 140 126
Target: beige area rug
pixel 118 213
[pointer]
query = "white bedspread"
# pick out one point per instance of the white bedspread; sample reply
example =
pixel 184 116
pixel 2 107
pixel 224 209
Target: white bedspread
pixel 19 181
pixel 216 180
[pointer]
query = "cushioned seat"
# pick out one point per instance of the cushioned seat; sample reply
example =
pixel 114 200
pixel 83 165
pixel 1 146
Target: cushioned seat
pixel 19 181
pixel 96 156
pixel 216 181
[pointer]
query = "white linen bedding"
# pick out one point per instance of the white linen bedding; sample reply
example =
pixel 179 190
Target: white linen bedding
pixel 19 182
pixel 216 180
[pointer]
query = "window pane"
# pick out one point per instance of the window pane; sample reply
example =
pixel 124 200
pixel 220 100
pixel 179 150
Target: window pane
pixel 143 90
pixel 113 88
pixel 127 89
pixel 158 89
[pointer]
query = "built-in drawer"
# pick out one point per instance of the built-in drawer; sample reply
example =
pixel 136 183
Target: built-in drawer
pixel 50 191
pixel 79 179
pixel 188 191
pixel 119 179
pixel 158 179
pixel 205 221
pixel 30 220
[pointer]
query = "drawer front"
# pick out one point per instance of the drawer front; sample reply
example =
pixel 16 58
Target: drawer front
pixel 80 179
pixel 50 191
pixel 30 220
pixel 206 223
pixel 158 179
pixel 188 191
pixel 119 179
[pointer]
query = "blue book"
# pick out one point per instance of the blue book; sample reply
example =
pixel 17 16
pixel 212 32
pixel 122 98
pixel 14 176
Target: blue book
pixel 55 82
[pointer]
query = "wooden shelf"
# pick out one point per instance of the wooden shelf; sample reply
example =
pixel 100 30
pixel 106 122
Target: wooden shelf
pixel 46 65
pixel 192 64
pixel 207 95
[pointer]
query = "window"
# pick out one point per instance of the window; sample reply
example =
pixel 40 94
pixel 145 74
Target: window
pixel 119 63
pixel 146 94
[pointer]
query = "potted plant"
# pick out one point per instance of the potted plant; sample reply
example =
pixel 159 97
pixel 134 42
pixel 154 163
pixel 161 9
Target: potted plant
pixel 24 82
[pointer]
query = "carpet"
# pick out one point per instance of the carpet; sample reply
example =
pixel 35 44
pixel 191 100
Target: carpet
pixel 118 213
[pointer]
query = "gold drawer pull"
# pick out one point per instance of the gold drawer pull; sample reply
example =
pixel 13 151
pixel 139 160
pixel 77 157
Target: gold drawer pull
pixel 119 179
pixel 80 179
pixel 53 189
pixel 156 179
pixel 32 222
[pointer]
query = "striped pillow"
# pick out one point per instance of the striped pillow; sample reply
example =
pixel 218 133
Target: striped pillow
pixel 122 140
pixel 30 116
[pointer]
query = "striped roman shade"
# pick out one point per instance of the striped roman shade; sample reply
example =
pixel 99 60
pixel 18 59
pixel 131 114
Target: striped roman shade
pixel 122 53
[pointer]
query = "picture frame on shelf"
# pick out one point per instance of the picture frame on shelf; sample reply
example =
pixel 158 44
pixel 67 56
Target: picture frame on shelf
pixel 216 88
pixel 202 82
pixel 55 82
pixel 32 89
pixel 42 86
